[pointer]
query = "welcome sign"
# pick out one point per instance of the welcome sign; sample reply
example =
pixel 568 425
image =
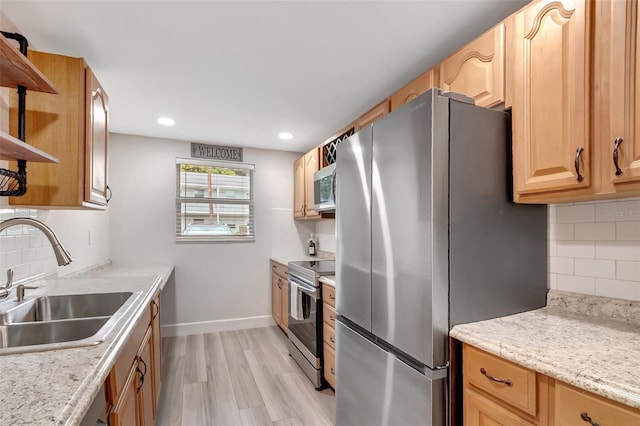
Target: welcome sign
pixel 214 152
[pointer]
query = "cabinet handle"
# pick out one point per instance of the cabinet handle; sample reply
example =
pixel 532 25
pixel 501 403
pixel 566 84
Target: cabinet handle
pixel 332 339
pixel 332 296
pixel 154 303
pixel 145 366
pixel 108 194
pixel 585 417
pixel 141 380
pixel 616 145
pixel 273 267
pixel 279 283
pixel 495 379
pixel 333 371
pixel 332 318
pixel 579 151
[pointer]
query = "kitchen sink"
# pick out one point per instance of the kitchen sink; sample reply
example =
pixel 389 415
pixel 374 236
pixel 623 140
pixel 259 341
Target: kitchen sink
pixel 48 332
pixel 60 322
pixel 48 308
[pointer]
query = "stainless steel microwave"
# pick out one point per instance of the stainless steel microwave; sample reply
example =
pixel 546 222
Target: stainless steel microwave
pixel 324 189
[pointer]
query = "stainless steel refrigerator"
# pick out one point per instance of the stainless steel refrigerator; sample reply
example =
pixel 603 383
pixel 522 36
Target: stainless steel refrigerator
pixel 427 237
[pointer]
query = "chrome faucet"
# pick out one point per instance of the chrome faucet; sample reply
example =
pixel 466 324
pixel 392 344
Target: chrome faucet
pixel 62 255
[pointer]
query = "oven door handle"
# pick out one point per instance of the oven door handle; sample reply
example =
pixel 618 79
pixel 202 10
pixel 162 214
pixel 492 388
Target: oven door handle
pixel 307 289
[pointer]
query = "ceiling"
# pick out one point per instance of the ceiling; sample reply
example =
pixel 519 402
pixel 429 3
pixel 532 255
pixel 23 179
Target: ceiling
pixel 238 72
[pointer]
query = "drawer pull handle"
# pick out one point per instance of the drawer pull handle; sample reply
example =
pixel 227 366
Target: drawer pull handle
pixel 332 318
pixel 616 146
pixel 332 339
pixel 333 371
pixel 585 417
pixel 495 379
pixel 332 296
pixel 579 177
pixel 141 380
pixel 154 303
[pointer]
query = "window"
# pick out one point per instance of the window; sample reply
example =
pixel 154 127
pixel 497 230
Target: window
pixel 214 201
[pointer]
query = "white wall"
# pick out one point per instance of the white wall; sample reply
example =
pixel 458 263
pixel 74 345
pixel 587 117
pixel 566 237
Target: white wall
pixel 594 248
pixel 213 281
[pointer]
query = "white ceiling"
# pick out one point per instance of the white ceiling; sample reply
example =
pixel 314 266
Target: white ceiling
pixel 237 72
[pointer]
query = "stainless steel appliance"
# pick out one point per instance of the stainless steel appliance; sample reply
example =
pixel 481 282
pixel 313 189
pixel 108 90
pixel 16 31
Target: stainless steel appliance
pixel 324 189
pixel 427 238
pixel 305 315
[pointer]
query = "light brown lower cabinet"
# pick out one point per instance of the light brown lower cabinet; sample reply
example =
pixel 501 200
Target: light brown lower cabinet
pixel 280 295
pixel 498 392
pixel 133 385
pixel 329 333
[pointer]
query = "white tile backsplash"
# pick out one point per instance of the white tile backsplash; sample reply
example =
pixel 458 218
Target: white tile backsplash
pixel 326 231
pixel 594 248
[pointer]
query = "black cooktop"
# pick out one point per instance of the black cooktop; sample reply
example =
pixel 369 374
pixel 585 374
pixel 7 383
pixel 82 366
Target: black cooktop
pixel 319 267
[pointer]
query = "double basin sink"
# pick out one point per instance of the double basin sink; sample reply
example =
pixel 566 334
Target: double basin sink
pixel 61 321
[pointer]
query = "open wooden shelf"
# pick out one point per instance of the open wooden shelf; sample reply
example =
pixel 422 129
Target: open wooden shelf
pixel 14 149
pixel 16 70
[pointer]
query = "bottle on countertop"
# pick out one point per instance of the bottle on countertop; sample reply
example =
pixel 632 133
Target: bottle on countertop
pixel 313 245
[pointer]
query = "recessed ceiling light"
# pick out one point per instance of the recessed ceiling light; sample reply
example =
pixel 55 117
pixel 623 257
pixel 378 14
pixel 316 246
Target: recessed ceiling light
pixel 285 136
pixel 166 121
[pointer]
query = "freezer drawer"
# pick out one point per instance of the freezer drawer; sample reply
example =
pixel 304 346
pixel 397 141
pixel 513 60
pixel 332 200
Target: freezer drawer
pixel 374 388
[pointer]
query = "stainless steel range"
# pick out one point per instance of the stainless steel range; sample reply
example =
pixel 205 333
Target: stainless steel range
pixel 305 315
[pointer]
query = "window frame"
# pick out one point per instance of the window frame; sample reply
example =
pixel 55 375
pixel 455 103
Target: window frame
pixel 250 202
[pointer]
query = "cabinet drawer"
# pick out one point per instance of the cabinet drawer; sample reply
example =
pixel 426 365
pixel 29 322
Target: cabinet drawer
pixel 127 357
pixel 572 404
pixel 480 410
pixel 329 315
pixel 329 294
pixel 280 269
pixel 329 335
pixel 483 371
pixel 330 365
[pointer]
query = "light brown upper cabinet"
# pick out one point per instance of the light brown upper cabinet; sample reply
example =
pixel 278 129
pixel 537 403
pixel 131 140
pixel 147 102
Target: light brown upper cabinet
pixel 617 61
pixel 477 70
pixel 72 126
pixel 374 114
pixel 414 89
pixel 303 170
pixel 552 143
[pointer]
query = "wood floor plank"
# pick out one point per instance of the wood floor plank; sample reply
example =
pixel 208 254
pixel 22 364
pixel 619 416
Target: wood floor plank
pixel 195 405
pixel 195 365
pixel 176 345
pixel 221 398
pixel 310 412
pixel 255 416
pixel 294 421
pixel 273 350
pixel 277 402
pixel 213 349
pixel 170 404
pixel 232 349
pixel 242 379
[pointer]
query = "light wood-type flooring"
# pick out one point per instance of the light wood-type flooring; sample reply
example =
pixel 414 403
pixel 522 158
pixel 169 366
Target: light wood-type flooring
pixel 243 378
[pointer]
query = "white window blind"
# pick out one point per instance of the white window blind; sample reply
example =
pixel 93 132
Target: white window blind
pixel 214 201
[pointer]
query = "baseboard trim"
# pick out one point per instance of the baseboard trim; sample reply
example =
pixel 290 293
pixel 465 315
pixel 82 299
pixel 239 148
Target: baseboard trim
pixel 187 328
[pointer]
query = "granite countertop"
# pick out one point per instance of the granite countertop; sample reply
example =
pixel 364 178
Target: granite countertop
pixel 284 260
pixel 58 387
pixel 590 342
pixel 329 279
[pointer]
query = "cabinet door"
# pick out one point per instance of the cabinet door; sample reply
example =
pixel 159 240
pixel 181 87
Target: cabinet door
pixel 621 70
pixel 156 339
pixel 552 98
pixel 96 141
pixel 284 293
pixel 311 165
pixel 482 411
pixel 125 410
pixel 145 389
pixel 477 70
pixel 414 89
pixel 298 187
pixel 572 407
pixel 276 298
pixel 374 114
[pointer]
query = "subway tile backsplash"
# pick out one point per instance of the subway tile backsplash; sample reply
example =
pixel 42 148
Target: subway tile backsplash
pixel 594 248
